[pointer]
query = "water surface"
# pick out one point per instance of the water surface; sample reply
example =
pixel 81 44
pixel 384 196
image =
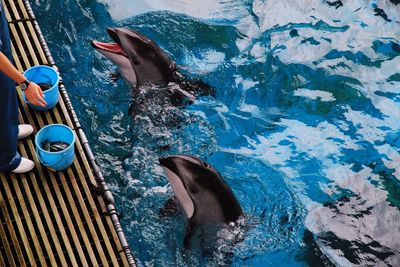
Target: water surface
pixel 304 125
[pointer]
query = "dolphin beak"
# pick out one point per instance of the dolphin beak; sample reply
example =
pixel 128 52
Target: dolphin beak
pixel 109 47
pixel 162 161
pixel 114 48
pixel 101 45
pixel 94 44
pixel 113 34
pixel 166 162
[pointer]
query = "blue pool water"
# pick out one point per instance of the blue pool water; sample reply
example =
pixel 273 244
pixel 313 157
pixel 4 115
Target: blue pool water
pixel 304 125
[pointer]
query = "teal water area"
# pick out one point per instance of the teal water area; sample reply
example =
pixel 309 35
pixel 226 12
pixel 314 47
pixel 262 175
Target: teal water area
pixel 304 125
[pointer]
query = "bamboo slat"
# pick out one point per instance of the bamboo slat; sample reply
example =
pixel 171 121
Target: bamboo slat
pixel 53 218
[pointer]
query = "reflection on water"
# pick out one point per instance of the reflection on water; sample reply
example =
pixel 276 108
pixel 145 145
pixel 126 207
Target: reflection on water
pixel 304 125
pixel 360 227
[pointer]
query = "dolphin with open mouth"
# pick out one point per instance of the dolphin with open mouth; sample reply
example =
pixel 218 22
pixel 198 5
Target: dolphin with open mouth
pixel 142 62
pixel 201 191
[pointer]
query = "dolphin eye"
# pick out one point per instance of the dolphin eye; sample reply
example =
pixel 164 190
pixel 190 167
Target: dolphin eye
pixel 206 165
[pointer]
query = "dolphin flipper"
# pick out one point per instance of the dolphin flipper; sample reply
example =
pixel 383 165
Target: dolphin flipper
pixel 197 88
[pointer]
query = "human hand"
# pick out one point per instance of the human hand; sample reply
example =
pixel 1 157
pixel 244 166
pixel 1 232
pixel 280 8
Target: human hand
pixel 34 95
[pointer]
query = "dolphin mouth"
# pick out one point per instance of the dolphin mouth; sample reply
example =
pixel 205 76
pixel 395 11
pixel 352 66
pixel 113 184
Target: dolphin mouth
pixel 114 48
pixel 109 47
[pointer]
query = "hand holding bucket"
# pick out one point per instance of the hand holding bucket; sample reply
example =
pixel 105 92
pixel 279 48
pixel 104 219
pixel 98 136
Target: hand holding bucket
pixel 47 76
pixel 34 95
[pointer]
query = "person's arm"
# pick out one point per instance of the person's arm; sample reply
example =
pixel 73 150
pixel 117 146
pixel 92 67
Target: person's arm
pixel 33 93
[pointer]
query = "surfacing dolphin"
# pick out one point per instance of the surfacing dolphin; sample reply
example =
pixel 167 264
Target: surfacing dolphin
pixel 201 191
pixel 142 62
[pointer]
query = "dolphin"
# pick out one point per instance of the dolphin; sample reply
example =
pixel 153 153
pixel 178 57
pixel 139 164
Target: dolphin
pixel 142 62
pixel 201 191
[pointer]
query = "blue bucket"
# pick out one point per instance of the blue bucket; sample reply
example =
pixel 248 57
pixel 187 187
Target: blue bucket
pixel 48 75
pixel 59 160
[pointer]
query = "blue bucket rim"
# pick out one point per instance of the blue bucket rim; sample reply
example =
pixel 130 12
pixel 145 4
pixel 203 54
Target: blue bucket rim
pixel 46 67
pixel 55 86
pixel 57 152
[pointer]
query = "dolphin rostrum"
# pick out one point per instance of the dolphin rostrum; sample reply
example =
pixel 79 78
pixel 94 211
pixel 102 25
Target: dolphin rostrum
pixel 141 61
pixel 201 191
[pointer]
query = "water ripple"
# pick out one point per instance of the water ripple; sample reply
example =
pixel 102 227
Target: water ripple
pixel 304 125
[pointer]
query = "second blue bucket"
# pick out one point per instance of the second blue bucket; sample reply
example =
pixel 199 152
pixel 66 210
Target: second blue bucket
pixel 55 133
pixel 47 75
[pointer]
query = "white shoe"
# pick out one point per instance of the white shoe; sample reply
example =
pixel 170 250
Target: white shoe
pixel 26 165
pixel 24 131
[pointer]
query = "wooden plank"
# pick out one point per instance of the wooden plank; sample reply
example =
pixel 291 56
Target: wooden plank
pixel 2 262
pixel 96 215
pixel 92 205
pixel 70 199
pixel 101 201
pixel 60 198
pixel 13 31
pixel 50 225
pixel 105 236
pixel 28 221
pixel 69 227
pixel 23 16
pixel 24 32
pixel 52 202
pixel 78 211
pixel 46 200
pixel 14 239
pixel 38 220
pixel 32 31
pixel 59 221
pixel 82 231
pixel 20 227
pixel 64 209
pixel 7 247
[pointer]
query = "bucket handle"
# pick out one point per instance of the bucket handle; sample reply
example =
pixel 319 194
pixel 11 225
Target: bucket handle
pixel 49 165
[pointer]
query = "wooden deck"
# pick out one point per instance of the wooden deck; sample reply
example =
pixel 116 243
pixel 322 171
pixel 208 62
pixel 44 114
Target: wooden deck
pixel 54 218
